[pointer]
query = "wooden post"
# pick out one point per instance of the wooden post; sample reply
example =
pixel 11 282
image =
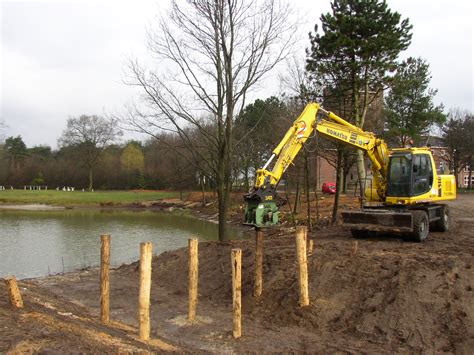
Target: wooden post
pixel 302 265
pixel 310 246
pixel 237 292
pixel 145 288
pixel 355 246
pixel 258 286
pixel 104 278
pixel 193 264
pixel 14 292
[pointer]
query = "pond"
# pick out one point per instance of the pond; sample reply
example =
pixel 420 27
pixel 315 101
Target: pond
pixel 40 243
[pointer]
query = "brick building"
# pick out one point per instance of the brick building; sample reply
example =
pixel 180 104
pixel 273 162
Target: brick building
pixel 441 158
pixel 322 171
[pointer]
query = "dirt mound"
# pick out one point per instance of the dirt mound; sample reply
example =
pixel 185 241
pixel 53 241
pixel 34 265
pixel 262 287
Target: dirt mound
pixel 47 324
pixel 397 300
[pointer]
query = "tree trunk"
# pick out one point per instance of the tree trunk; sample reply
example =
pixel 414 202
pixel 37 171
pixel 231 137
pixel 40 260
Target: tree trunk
pixel 361 175
pixel 296 208
pixel 359 121
pixel 223 238
pixel 223 186
pixel 91 180
pixel 246 177
pixel 344 182
pixel 203 193
pixel 287 189
pixel 456 170
pixel 316 199
pixel 339 171
pixel 306 174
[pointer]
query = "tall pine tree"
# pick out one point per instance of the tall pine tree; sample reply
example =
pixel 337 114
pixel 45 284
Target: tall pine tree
pixel 409 106
pixel 359 45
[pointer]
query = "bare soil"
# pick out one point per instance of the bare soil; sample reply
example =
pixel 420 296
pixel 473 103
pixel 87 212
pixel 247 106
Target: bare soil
pixel 391 296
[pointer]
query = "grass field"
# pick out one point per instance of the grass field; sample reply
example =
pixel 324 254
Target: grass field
pixel 64 198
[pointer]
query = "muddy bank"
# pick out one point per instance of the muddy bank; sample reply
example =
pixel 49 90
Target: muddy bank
pixel 392 296
pixel 49 324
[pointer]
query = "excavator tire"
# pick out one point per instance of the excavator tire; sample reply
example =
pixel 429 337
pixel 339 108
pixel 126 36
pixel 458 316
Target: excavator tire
pixel 442 224
pixel 420 226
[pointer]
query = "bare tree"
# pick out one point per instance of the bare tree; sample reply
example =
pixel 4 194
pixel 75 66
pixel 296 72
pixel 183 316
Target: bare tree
pixel 210 53
pixel 460 124
pixel 90 135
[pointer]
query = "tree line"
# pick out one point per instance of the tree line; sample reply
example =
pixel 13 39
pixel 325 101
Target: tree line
pixel 89 157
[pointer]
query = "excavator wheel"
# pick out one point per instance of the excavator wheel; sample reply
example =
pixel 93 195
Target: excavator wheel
pixel 442 224
pixel 420 226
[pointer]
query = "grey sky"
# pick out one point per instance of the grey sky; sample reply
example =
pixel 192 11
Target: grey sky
pixel 66 58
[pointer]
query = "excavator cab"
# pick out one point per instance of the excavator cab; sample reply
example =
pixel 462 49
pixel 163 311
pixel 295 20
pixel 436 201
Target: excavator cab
pixel 412 178
pixel 409 175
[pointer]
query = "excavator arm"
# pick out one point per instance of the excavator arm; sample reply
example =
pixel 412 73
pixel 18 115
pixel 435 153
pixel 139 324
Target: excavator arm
pixel 375 148
pixel 261 208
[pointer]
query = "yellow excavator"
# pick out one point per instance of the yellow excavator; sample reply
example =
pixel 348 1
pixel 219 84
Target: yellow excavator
pixel 404 194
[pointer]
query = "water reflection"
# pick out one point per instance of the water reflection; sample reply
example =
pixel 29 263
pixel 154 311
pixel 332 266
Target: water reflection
pixel 37 243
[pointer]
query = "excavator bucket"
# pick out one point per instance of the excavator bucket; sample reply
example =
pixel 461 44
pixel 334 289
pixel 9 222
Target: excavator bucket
pixel 378 220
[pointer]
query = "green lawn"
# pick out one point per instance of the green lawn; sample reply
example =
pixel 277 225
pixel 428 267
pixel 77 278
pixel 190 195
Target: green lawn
pixel 62 198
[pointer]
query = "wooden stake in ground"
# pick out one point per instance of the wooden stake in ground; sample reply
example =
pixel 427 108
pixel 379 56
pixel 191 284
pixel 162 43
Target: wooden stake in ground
pixel 355 246
pixel 258 286
pixel 14 292
pixel 310 246
pixel 236 260
pixel 145 288
pixel 104 278
pixel 193 264
pixel 302 265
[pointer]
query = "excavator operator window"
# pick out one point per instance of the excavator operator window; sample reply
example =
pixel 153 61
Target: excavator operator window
pixel 399 179
pixel 409 175
pixel 422 174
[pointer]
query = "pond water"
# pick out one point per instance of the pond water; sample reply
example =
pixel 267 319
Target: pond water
pixel 39 243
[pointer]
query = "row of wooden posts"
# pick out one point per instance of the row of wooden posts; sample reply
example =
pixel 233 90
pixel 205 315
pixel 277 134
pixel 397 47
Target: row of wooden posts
pixel 304 247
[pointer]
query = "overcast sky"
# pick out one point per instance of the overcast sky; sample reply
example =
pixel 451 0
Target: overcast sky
pixel 67 58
